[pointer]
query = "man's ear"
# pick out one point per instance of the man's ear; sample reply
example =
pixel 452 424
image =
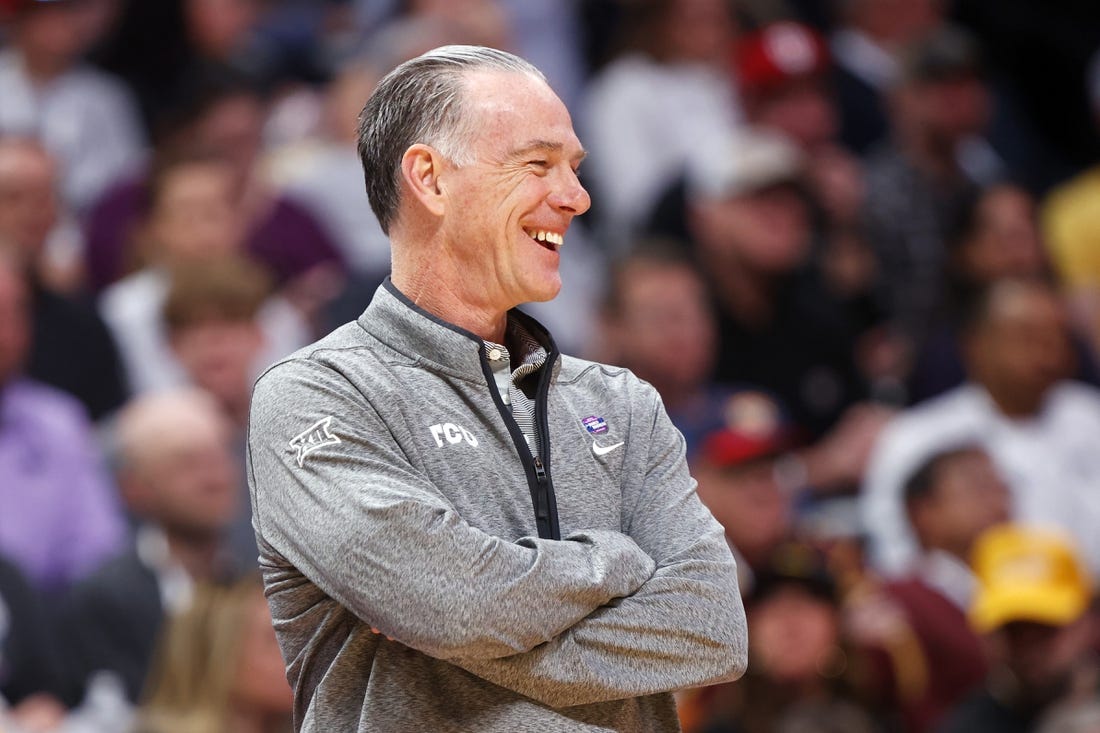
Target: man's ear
pixel 421 167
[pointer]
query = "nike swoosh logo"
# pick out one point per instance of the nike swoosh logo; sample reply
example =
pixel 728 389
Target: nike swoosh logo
pixel 600 450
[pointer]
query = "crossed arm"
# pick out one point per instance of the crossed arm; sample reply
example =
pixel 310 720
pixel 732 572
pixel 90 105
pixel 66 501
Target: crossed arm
pixel 598 615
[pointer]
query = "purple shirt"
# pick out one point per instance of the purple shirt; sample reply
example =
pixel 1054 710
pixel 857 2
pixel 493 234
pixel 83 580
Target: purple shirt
pixel 60 516
pixel 288 239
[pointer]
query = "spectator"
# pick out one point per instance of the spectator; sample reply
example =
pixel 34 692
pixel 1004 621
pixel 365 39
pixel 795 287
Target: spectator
pixel 222 115
pixel 783 74
pixel 995 236
pixel 801 677
pixel 177 475
pixel 1032 605
pixel 866 48
pixel 648 111
pixel 212 319
pixel 951 499
pixel 60 515
pixel 918 179
pixel 191 221
pixel 218 668
pixel 84 117
pixel 71 348
pixel 1018 404
pixel 778 327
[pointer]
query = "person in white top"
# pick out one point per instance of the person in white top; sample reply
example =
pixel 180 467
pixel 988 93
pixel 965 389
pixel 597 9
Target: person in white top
pixel 650 110
pixel 1039 428
pixel 87 119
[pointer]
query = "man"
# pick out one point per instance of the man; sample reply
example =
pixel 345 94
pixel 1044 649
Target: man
pixel 1032 607
pixel 71 348
pixel 951 499
pixel 519 527
pixel 779 327
pixel 177 475
pixel 1037 426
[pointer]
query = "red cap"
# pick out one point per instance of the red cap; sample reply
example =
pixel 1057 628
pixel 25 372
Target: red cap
pixel 754 427
pixel 777 54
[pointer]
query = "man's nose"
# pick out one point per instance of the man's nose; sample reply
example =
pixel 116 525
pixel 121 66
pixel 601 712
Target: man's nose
pixel 568 194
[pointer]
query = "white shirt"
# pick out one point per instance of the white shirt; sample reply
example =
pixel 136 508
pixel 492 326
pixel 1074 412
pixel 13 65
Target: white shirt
pixel 642 122
pixel 132 310
pixel 1051 463
pixel 85 118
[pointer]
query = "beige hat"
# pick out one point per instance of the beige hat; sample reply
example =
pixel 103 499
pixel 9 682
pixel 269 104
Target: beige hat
pixel 749 160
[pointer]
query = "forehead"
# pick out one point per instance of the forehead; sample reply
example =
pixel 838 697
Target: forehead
pixel 23 161
pixel 510 109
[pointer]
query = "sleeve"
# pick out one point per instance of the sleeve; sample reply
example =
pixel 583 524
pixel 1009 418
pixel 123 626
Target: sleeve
pixel 684 627
pixel 360 522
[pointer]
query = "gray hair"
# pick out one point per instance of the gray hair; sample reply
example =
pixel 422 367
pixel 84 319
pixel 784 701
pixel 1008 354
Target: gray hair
pixel 421 101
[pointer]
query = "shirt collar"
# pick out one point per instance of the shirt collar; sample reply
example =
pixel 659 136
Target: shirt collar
pixel 407 328
pixel 950 576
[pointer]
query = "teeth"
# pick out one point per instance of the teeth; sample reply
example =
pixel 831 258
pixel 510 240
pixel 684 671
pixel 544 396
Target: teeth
pixel 542 235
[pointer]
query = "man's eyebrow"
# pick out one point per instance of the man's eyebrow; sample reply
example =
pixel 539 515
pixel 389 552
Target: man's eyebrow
pixel 535 146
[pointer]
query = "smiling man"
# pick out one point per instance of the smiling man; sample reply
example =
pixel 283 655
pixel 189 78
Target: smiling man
pixel 460 528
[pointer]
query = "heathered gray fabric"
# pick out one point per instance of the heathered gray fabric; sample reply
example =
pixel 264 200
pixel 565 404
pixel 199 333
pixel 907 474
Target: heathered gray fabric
pixel 436 546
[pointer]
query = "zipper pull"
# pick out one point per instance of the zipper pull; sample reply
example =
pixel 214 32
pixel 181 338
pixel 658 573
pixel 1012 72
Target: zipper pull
pixel 540 470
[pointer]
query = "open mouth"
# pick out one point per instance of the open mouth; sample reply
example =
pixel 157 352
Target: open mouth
pixel 546 239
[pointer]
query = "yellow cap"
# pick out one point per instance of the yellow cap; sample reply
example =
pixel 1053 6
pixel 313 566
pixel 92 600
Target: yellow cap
pixel 1027 574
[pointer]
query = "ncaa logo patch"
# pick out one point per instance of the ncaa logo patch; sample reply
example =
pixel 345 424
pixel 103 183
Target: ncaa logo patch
pixel 594 424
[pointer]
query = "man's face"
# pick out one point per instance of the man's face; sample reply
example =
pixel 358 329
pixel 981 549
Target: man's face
pixel 767 231
pixel 522 183
pixel 194 217
pixel 969 497
pixel 1024 345
pixel 665 329
pixel 189 478
pixel 28 197
pixel 1043 658
pixel 219 356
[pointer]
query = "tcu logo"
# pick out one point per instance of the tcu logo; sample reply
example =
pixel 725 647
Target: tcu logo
pixel 452 434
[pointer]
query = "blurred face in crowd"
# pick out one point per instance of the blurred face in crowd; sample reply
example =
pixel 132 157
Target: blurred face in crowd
pixel 15 320
pixel 1006 241
pixel 219 27
pixel 1042 658
pixel 896 23
pixel 663 328
pixel 260 687
pixel 792 634
pixel 747 502
pixel 193 217
pixel 968 498
pixel 182 475
pixel 51 37
pixel 218 355
pixel 696 30
pixel 944 111
pixel 766 231
pixel 232 129
pixel 522 183
pixel 802 110
pixel 1022 347
pixel 28 196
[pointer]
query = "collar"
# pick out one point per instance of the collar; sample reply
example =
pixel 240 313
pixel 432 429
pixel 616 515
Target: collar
pixel 407 328
pixel 950 576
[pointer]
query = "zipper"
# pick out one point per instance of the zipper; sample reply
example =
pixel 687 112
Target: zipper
pixel 537 471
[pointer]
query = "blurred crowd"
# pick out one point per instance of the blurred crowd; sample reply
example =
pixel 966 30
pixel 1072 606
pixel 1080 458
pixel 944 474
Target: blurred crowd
pixel 854 244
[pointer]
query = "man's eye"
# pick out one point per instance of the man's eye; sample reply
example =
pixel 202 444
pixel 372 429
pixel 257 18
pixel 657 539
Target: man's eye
pixel 538 163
